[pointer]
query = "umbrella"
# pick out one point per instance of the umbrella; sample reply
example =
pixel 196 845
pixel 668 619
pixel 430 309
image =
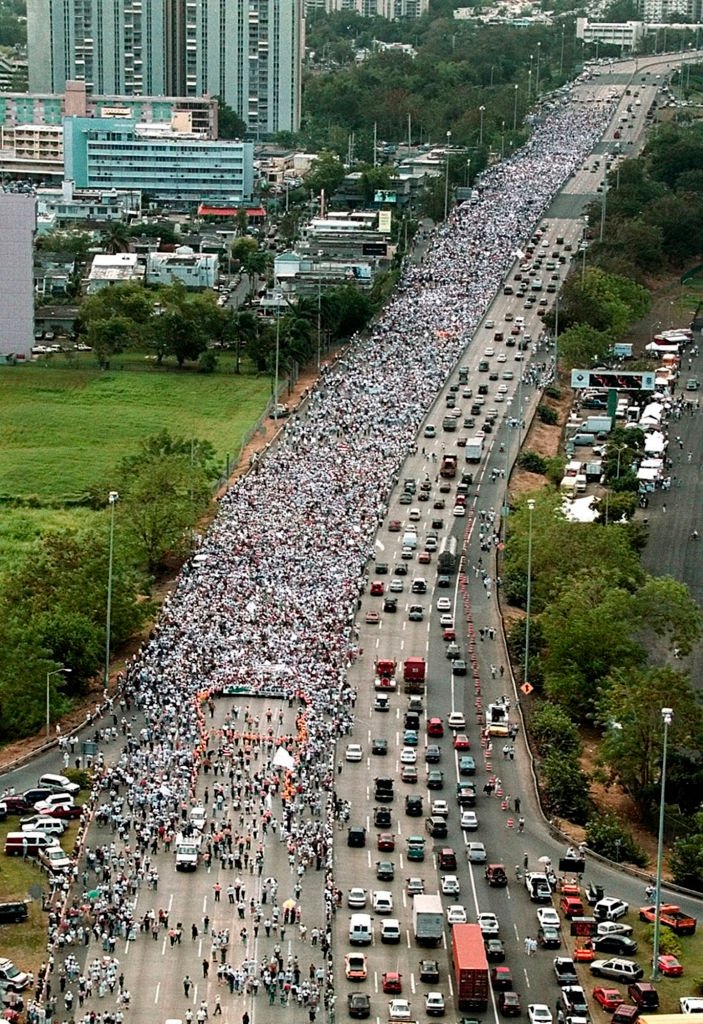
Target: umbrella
pixel 290 905
pixel 545 860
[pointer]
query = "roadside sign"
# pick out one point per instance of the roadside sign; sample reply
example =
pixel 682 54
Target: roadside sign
pixel 527 688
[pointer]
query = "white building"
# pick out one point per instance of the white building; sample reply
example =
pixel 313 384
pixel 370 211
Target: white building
pixel 625 34
pixel 118 268
pixel 196 270
pixel 18 218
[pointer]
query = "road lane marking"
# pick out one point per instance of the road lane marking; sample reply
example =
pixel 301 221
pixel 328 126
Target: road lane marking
pixel 527 977
pixel 156 994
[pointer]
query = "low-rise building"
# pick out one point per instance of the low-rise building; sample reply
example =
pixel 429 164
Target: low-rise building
pixel 625 34
pixel 196 270
pixel 116 268
pixel 69 205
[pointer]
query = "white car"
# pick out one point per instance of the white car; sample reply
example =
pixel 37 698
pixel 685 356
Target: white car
pixel 476 853
pixel 502 358
pixel 443 604
pixel 450 885
pixel 490 351
pixel 539 1013
pixel 613 928
pixel 430 430
pixel 408 755
pixel 446 621
pixel 456 914
pixel 456 720
pixel 356 898
pixel 383 902
pixel 488 923
pixel 548 917
pixel 489 324
pixel 355 967
pixel 434 1004
pixel 354 752
pixel 469 821
pixel 440 809
pixel 399 1009
pixel 459 510
pixel 503 390
pixel 520 322
pixel 610 908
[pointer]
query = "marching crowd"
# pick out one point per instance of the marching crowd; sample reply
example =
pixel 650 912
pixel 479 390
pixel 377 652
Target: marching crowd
pixel 267 607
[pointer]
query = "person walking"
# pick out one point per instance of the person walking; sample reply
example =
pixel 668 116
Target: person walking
pixel 186 986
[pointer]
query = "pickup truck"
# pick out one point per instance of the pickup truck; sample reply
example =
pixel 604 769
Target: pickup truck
pixel 672 916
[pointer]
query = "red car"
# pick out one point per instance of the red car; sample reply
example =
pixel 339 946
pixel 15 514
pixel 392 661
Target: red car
pixel 461 741
pixel 435 727
pixel 609 998
pixel 391 982
pixel 63 812
pixel 424 558
pixel 394 526
pixel 449 634
pixel 377 588
pixel 385 841
pixel 669 966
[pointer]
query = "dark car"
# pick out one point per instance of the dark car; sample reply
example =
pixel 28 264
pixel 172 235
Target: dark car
pixel 501 979
pixel 644 995
pixel 382 567
pixel 356 836
pixel 509 1004
pixel 12 912
pixel 548 937
pixel 459 667
pixel 385 870
pixel 435 779
pixel 35 796
pixel 495 950
pixel 379 746
pixel 429 971
pixel 359 1004
pixel 437 827
pixel 16 804
pixel 619 945
pixel 433 754
pixel 381 817
pixel 443 582
pixel 413 806
pixel 390 604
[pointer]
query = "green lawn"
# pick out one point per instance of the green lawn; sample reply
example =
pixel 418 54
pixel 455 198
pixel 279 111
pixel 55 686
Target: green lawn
pixel 63 429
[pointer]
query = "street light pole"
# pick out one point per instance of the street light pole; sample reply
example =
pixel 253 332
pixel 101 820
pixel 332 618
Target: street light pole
pixel 56 672
pixel 319 315
pixel 113 498
pixel 561 58
pixel 468 172
pixel 539 50
pixel 515 109
pixel 446 176
pixel 482 111
pixel 529 79
pixel 667 717
pixel 502 140
pixel 528 608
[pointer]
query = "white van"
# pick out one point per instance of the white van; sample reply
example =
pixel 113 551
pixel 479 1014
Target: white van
pixel 27 844
pixel 58 784
pixel 360 930
pixel 49 826
pixel 410 540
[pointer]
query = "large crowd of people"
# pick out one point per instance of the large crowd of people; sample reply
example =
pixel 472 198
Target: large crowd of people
pixel 267 607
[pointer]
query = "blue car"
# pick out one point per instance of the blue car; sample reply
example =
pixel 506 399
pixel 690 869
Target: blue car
pixel 410 738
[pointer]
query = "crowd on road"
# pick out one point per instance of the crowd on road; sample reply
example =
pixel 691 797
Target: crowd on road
pixel 267 607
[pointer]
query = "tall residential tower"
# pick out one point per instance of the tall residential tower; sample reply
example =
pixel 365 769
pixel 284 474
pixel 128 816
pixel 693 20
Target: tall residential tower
pixel 247 52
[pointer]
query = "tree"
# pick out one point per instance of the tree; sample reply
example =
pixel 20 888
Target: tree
pixel 68 243
pixel 229 124
pixel 553 729
pixel 565 787
pixel 686 860
pixel 186 323
pixel 582 346
pixel 630 709
pixel 605 835
pixel 115 237
pixel 678 619
pixel 326 173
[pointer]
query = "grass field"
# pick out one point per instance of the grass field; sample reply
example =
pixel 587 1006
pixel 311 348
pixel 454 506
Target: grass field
pixel 63 429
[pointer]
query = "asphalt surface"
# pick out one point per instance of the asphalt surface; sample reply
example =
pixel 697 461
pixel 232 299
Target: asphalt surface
pixel 154 971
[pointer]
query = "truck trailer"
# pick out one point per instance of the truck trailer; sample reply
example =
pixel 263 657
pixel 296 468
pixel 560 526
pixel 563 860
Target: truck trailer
pixel 428 919
pixel 470 967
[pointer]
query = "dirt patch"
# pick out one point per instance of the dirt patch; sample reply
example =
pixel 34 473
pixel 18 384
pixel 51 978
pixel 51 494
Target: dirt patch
pixel 545 439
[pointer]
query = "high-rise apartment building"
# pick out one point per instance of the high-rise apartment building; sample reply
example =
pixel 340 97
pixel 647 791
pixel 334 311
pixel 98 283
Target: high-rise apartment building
pixel 247 52
pixel 18 223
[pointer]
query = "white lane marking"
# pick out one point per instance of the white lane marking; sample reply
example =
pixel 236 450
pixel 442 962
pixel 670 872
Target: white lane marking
pixel 156 993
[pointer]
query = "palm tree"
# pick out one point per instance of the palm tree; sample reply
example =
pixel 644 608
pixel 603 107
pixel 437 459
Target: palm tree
pixel 116 237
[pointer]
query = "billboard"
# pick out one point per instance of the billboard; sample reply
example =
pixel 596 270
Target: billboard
pixel 385 196
pixel 384 221
pixel 613 379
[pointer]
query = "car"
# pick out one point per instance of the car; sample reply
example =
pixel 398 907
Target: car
pixel 382 902
pixel 379 746
pixel 610 908
pixel 608 998
pixel 381 702
pixel 430 430
pixel 450 885
pixel 413 806
pixel 620 945
pixel 433 754
pixel 495 950
pixel 453 651
pixel 501 979
pixel 691 1004
pixel 671 916
pixel 476 853
pixel 396 586
pixel 509 1004
pixel 435 778
pixel 415 886
pixel 11 978
pixel 391 981
pixel 381 568
pixel 359 1005
pixel 449 635
pixel 613 928
pixel 488 923
pixel 356 836
pixel 410 738
pixel 469 821
pixel 490 324
pixel 467 765
pixel 539 1013
pixel 385 870
pixel 63 811
pixel 390 604
pixel 669 966
pixel 440 808
pixel 434 1004
pixel 405 499
pixel 459 510
pixel 459 667
pixel 443 604
pixel 354 752
pixel 617 968
pixel 565 970
pixel 408 755
pixel 377 587
pixel 424 558
pixel 456 720
pixel 548 916
pixel 355 968
pixel 644 995
pixel 502 358
pixel 416 613
pixel 399 1009
pixel 356 898
pixel 385 841
pixel 372 618
pixel 429 971
pixel 456 914
pixel 394 526
pixel 461 741
pixel 548 937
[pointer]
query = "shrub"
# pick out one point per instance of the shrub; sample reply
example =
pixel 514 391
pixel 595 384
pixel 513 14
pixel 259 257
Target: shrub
pixel 552 391
pixel 565 787
pixel 606 835
pixel 547 415
pixel 532 462
pixel 553 729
